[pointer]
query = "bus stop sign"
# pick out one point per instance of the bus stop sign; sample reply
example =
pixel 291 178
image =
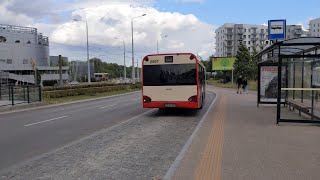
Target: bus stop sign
pixel 277 29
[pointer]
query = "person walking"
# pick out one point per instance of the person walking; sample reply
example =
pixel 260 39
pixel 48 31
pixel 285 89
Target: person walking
pixel 239 83
pixel 245 85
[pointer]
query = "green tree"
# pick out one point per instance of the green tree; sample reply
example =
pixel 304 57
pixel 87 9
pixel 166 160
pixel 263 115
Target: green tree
pixel 254 64
pixel 246 64
pixel 242 65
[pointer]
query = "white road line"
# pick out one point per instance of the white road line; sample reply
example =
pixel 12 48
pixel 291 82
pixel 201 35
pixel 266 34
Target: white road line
pixel 136 99
pixel 108 106
pixel 45 121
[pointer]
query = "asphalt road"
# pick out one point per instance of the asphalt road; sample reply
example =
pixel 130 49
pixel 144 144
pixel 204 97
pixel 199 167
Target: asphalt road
pixel 22 138
pixel 104 139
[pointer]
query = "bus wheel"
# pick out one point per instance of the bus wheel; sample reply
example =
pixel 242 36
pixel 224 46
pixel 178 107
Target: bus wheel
pixel 201 103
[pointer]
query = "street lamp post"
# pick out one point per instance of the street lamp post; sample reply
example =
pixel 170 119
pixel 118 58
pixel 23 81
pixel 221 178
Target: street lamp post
pixel 133 73
pixel 158 43
pixel 89 78
pixel 124 60
pixel 138 75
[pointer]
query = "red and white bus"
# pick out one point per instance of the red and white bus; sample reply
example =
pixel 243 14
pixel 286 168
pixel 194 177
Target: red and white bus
pixel 173 81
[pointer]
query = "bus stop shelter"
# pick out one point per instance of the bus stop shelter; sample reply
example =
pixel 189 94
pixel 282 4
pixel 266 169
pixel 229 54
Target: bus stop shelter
pixel 289 76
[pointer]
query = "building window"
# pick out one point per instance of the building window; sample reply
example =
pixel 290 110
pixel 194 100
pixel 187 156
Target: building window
pixel 249 42
pixel 244 42
pixel 249 48
pixel 25 61
pixel 2 61
pixel 244 36
pixel 249 36
pixel 17 41
pixel 3 39
pixel 245 30
pixel 267 42
pixel 9 61
pixel 28 42
pixel 249 30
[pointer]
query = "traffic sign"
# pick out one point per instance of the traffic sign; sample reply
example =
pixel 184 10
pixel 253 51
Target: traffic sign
pixel 277 29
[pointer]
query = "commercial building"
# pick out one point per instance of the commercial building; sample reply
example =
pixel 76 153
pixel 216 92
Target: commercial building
pixel 314 28
pixel 22 50
pixel 229 37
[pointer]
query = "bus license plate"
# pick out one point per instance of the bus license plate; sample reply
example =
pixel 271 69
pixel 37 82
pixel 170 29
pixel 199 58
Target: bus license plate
pixel 170 105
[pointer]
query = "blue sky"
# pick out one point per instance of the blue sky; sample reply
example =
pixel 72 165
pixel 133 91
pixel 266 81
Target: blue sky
pixel 248 11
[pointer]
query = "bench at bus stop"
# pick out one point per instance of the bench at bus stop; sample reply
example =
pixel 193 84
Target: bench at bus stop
pixel 299 106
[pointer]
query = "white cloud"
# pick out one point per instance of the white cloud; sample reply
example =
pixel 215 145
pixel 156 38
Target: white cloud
pixel 109 19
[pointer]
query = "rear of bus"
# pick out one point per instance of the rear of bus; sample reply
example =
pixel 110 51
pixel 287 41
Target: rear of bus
pixel 170 81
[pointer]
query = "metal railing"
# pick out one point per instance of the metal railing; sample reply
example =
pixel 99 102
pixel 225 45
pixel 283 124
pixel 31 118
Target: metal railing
pixel 12 95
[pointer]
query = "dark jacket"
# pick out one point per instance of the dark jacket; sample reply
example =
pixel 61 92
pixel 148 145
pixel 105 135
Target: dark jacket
pixel 245 82
pixel 239 81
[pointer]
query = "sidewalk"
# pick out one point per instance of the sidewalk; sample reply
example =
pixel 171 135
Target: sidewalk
pixel 240 141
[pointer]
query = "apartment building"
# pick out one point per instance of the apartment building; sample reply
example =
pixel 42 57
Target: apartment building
pixel 229 37
pixel 314 28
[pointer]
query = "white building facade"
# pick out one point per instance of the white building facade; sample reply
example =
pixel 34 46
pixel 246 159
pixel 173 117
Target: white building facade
pixel 230 37
pixel 314 28
pixel 19 48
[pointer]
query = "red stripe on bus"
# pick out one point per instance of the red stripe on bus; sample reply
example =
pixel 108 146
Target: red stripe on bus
pixel 179 104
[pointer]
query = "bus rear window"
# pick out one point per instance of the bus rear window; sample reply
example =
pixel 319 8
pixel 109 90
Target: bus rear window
pixel 169 75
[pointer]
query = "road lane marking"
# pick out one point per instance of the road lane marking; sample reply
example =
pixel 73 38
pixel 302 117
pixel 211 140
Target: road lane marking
pixel 136 99
pixel 45 121
pixel 104 107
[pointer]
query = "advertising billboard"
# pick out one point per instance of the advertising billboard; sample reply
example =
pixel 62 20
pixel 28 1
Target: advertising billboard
pixel 269 83
pixel 222 63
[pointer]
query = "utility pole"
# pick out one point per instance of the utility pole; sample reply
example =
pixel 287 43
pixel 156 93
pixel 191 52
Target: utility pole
pixel 138 78
pixel 60 71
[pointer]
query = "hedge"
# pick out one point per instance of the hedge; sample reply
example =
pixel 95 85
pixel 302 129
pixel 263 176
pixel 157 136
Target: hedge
pixel 87 91
pixel 80 86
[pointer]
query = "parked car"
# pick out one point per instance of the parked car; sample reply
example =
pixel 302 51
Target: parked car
pixel 74 83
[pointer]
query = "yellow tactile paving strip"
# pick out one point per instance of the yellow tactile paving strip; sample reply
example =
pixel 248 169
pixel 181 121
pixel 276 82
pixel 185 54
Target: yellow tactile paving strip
pixel 209 166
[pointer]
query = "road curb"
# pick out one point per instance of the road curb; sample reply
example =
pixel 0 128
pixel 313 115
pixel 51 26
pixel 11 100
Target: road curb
pixel 177 161
pixel 41 106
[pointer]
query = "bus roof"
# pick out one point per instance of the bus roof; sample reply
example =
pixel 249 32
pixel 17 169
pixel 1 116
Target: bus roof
pixel 166 54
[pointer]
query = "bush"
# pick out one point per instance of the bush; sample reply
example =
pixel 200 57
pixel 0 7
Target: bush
pixel 81 86
pixel 87 91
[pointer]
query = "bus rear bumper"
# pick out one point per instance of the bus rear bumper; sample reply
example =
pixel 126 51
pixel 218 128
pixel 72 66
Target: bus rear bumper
pixel 189 105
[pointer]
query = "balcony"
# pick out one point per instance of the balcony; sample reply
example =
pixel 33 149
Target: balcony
pixel 229 45
pixel 254 39
pixel 262 33
pixel 240 32
pixel 229 33
pixel 254 33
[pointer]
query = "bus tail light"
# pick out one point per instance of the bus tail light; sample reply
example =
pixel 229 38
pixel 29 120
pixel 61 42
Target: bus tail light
pixel 193 99
pixel 192 57
pixel 146 99
pixel 146 58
